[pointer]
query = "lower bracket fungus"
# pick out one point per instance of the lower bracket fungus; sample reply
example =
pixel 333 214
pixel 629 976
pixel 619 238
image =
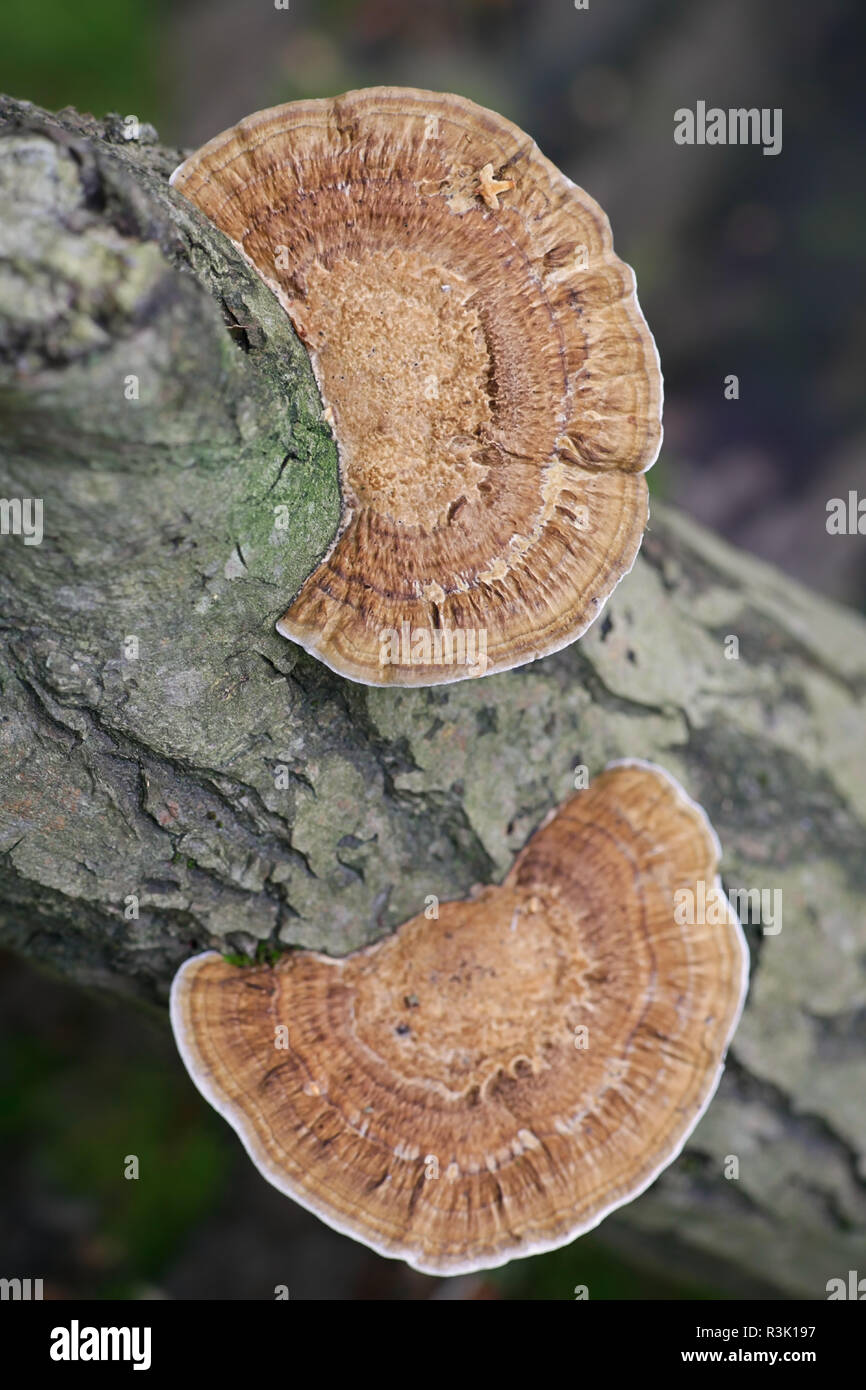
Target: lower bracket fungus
pixel 492 385
pixel 490 1084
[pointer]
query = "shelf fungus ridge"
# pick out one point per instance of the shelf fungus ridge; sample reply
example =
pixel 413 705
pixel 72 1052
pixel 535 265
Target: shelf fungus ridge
pixel 491 1084
pixel 491 383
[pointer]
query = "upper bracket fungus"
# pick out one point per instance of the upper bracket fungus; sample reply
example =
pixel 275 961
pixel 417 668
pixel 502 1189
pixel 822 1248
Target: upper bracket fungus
pixel 492 1083
pixel 493 388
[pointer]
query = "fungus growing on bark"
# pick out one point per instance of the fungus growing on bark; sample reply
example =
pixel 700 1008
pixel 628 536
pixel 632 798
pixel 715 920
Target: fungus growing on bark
pixel 493 388
pixel 492 1083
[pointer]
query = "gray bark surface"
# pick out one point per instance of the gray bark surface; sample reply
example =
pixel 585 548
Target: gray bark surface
pixel 245 794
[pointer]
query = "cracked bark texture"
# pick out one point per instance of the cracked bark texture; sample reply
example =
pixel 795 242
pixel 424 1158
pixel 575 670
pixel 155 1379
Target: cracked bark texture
pixel 243 793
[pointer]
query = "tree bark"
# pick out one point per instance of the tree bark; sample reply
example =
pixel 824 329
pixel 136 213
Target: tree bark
pixel 219 781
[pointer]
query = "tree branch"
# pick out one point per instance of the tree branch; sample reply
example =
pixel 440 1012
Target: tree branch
pixel 154 396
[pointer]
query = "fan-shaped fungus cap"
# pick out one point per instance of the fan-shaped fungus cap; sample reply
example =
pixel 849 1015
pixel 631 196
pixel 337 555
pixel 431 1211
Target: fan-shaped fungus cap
pixel 492 1083
pixel 494 390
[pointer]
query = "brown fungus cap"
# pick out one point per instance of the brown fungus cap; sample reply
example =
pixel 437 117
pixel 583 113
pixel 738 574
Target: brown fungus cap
pixel 492 1083
pixel 493 388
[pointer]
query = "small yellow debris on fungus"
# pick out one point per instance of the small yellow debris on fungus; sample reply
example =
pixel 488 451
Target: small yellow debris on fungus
pixel 489 187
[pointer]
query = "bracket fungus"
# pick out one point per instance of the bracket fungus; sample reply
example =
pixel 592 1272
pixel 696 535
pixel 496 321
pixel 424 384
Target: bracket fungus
pixel 490 1084
pixel 492 385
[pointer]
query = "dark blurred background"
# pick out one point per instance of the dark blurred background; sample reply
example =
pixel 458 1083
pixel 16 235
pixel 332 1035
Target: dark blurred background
pixel 746 264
